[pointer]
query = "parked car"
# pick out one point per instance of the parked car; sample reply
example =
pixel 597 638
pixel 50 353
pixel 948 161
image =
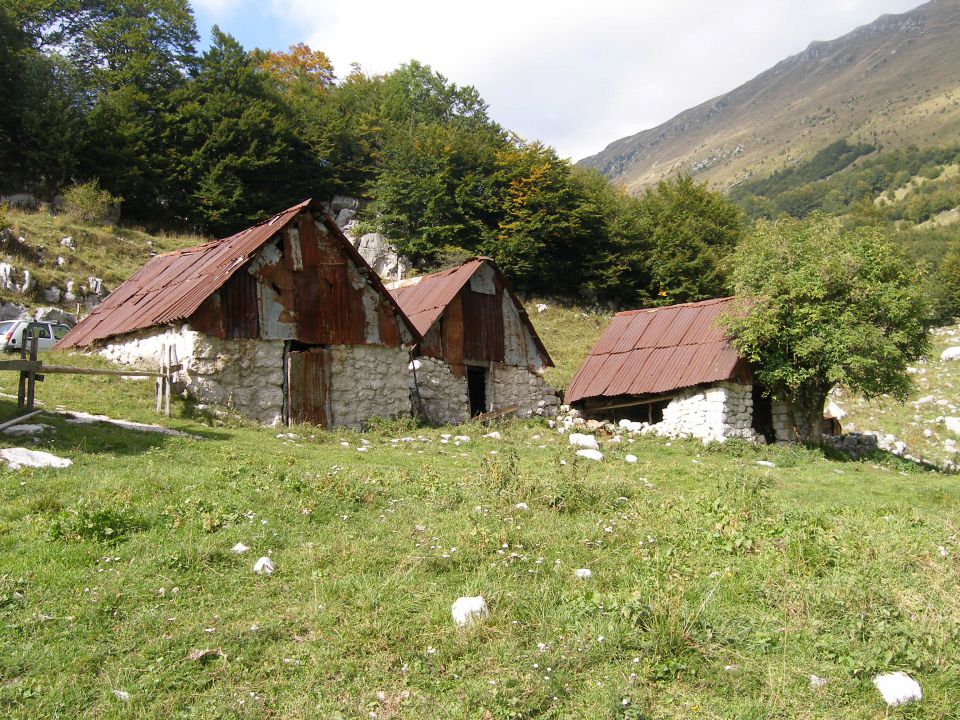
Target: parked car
pixel 11 334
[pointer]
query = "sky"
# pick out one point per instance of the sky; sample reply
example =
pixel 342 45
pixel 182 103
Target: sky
pixel 574 74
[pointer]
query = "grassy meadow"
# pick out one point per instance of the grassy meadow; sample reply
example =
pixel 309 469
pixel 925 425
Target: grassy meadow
pixel 719 585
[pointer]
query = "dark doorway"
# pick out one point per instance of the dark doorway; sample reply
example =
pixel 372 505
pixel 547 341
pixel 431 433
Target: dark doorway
pixel 763 414
pixel 477 389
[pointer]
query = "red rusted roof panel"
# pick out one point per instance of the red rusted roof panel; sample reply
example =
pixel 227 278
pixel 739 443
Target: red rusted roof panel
pixel 426 297
pixel 656 351
pixel 172 286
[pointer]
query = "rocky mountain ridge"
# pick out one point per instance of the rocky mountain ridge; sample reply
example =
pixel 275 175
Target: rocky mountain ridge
pixel 893 83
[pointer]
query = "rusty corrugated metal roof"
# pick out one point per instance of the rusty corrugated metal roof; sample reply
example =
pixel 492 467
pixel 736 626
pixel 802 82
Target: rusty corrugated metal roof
pixel 170 287
pixel 424 298
pixel 657 350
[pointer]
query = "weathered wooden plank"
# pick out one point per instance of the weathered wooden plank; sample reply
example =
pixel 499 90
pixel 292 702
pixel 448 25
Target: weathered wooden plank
pixel 452 331
pixel 18 420
pixel 308 386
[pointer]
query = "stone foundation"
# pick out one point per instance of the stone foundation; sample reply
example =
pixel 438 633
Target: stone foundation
pixel 243 374
pixel 783 427
pixel 367 381
pixel 511 385
pixel 719 412
pixel 443 397
pixel 247 374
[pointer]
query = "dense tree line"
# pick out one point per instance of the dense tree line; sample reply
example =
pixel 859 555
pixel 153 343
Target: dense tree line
pixel 115 91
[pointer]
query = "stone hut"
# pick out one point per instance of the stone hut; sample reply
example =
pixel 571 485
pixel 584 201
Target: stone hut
pixel 479 351
pixel 671 370
pixel 284 322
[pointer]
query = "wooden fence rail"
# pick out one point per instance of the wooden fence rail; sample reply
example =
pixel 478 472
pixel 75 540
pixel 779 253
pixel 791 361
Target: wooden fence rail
pixel 32 371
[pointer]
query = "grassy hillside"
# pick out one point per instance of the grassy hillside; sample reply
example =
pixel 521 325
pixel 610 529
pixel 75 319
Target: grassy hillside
pixel 718 585
pixel 892 83
pixel 109 252
pixel 568 334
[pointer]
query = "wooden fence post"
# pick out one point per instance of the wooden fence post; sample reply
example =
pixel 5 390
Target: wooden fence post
pixel 32 374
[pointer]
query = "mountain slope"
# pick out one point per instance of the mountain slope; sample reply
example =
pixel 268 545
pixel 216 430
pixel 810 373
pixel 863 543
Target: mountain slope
pixel 893 82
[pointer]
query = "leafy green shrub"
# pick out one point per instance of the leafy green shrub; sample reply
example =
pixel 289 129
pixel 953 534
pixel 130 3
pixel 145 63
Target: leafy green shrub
pixel 88 202
pixel 4 220
pixel 105 524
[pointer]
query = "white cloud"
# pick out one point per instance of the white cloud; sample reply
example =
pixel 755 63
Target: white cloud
pixel 217 8
pixel 576 75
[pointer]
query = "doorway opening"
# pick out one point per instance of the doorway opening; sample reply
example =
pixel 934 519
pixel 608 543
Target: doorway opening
pixel 477 389
pixel 763 413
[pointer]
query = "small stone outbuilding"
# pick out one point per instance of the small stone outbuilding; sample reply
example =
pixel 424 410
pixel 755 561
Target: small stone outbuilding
pixel 284 322
pixel 479 352
pixel 671 370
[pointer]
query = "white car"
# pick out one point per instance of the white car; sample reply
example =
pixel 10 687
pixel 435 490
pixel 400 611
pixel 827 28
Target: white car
pixel 11 334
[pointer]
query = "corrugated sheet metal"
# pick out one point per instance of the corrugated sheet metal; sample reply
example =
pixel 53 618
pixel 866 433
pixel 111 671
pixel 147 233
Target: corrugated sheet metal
pixel 172 286
pixel 482 326
pixel 426 298
pixel 656 351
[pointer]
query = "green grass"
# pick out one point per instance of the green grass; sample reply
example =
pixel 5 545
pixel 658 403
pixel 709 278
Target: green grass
pixel 111 253
pixel 937 384
pixel 718 586
pixel 568 334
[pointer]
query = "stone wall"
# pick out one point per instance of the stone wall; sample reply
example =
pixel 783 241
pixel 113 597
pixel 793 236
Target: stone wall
pixel 718 412
pixel 442 395
pixel 243 374
pixel 367 381
pixel 783 427
pixel 512 385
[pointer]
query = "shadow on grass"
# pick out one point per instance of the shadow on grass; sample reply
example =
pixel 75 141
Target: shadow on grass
pixel 793 454
pixel 93 437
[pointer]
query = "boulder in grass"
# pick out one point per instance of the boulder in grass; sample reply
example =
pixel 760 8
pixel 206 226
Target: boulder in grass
pixel 590 454
pixel 27 429
pixel 263 566
pixel 631 459
pixel 583 573
pixel 18 457
pixel 582 440
pixel 239 548
pixel 951 353
pixel 467 610
pixel 898 688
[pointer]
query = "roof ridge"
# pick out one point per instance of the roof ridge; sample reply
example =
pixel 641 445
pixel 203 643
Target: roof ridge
pixel 708 301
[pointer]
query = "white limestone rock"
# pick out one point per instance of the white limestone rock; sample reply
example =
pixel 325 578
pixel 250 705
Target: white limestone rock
pixel 582 440
pixel 631 426
pixel 590 454
pixel 467 610
pixel 27 429
pixel 18 457
pixel 583 573
pixel 631 459
pixel 239 548
pixel 952 424
pixel 898 688
pixel 951 353
pixel 264 566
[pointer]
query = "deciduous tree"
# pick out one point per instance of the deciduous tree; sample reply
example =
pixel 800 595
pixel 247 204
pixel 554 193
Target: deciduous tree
pixel 819 306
